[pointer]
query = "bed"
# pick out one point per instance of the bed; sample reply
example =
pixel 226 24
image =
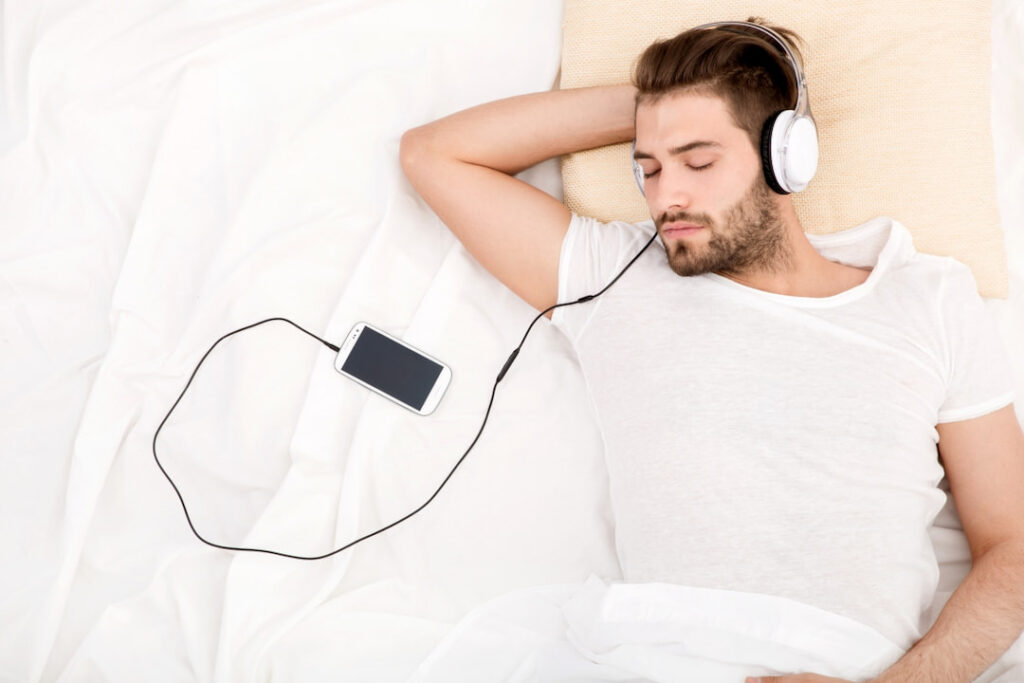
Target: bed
pixel 173 171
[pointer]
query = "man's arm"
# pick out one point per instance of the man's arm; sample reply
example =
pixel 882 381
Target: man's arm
pixel 984 461
pixel 515 133
pixel 463 166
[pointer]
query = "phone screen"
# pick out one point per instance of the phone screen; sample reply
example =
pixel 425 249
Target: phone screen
pixel 392 368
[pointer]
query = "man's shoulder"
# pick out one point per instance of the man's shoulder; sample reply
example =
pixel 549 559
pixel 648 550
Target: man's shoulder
pixel 931 269
pixel 923 265
pixel 947 271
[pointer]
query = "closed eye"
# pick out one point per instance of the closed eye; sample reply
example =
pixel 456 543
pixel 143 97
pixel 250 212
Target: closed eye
pixel 692 168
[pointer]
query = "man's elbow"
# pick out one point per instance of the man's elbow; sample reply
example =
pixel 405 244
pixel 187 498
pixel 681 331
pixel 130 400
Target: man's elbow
pixel 411 147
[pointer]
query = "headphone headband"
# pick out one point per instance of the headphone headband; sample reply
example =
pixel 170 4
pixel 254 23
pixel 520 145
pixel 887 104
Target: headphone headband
pixel 803 106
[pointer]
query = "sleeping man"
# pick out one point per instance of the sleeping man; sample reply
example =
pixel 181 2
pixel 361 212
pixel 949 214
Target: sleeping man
pixel 777 407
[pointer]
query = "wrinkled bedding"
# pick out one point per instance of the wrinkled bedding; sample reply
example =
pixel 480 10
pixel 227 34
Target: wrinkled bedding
pixel 172 171
pixel 652 631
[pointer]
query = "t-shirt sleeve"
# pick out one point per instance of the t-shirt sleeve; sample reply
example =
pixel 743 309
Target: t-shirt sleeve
pixel 593 253
pixel 979 376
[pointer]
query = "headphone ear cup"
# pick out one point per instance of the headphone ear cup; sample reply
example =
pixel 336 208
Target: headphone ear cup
pixel 767 166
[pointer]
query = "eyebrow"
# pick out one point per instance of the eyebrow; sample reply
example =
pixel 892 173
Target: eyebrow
pixel 679 150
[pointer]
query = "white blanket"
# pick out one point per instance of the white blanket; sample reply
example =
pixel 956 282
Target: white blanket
pixel 171 171
pixel 652 632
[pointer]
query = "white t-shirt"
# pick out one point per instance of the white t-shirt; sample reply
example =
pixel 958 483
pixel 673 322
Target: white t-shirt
pixel 778 444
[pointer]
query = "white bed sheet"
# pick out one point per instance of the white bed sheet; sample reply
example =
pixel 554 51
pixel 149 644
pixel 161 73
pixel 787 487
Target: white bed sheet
pixel 172 171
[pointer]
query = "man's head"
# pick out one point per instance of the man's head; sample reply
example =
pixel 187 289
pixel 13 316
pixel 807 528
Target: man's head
pixel 701 103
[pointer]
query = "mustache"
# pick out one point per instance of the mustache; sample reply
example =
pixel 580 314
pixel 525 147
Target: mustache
pixel 684 218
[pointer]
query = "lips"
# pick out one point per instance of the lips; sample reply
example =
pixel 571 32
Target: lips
pixel 678 228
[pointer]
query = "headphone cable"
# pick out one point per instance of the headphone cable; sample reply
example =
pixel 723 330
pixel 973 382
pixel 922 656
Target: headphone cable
pixel 333 347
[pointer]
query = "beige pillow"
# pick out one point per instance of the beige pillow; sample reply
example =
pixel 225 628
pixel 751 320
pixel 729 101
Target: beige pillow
pixel 900 91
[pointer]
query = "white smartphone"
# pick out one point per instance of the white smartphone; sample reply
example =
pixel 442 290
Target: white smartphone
pixel 393 369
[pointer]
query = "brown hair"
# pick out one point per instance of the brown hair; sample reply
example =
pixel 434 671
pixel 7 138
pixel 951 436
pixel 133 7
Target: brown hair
pixel 742 65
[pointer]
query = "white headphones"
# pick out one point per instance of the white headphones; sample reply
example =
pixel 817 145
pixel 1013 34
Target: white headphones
pixel 789 138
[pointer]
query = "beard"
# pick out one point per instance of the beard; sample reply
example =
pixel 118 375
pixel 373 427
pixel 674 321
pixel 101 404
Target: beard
pixel 752 236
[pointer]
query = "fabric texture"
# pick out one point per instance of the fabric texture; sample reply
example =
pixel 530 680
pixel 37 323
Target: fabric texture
pixel 886 116
pixel 780 444
pixel 652 632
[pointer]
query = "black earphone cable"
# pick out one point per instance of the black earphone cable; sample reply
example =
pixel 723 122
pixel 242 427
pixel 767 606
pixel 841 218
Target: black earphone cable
pixel 333 347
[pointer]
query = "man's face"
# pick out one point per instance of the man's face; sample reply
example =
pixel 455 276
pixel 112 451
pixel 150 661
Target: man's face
pixel 741 228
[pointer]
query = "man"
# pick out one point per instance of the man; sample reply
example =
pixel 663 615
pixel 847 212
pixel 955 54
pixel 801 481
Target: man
pixel 771 401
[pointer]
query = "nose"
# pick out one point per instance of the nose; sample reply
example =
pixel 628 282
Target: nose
pixel 673 192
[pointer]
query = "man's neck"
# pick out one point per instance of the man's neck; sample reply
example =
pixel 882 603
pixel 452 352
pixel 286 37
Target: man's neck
pixel 803 272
